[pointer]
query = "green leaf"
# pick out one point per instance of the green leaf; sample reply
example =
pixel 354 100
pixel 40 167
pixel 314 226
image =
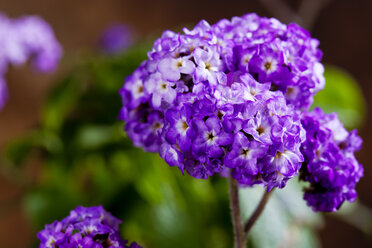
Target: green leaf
pixel 342 95
pixel 18 151
pixel 291 197
pixel 357 215
pixel 96 136
pixel 272 225
pixel 61 102
pixel 286 220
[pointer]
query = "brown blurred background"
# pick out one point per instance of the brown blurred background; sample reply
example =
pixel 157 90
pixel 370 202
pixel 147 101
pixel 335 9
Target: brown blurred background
pixel 344 28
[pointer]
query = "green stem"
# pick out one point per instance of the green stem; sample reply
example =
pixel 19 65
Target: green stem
pixel 257 212
pixel 239 236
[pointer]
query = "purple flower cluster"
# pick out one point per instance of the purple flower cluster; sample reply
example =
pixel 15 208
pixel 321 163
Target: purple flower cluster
pixel 226 96
pixel 24 38
pixel 232 97
pixel 330 165
pixel 90 227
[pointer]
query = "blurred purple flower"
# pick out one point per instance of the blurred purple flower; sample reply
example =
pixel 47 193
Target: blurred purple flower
pixel 28 37
pixel 116 38
pixel 3 93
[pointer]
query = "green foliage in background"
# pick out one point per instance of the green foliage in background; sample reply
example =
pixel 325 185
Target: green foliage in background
pixel 85 158
pixel 342 94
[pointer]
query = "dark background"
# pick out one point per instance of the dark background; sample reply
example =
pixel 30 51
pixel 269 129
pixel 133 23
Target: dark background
pixel 343 28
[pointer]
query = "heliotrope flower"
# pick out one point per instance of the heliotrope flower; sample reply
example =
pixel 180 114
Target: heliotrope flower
pixel 330 165
pixel 28 37
pixel 90 227
pixel 228 96
pixel 212 90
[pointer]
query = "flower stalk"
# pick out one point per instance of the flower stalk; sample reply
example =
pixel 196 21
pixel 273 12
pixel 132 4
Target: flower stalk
pixel 241 231
pixel 239 236
pixel 257 212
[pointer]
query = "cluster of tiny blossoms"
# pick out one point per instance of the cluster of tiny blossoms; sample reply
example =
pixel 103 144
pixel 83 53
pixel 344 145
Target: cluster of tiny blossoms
pixel 330 165
pixel 24 38
pixel 90 227
pixel 229 96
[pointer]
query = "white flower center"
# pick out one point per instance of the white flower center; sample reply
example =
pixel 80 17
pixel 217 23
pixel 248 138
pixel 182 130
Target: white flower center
pixel 50 242
pixel 270 65
pixel 182 127
pixel 137 89
pixel 245 153
pixel 210 137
